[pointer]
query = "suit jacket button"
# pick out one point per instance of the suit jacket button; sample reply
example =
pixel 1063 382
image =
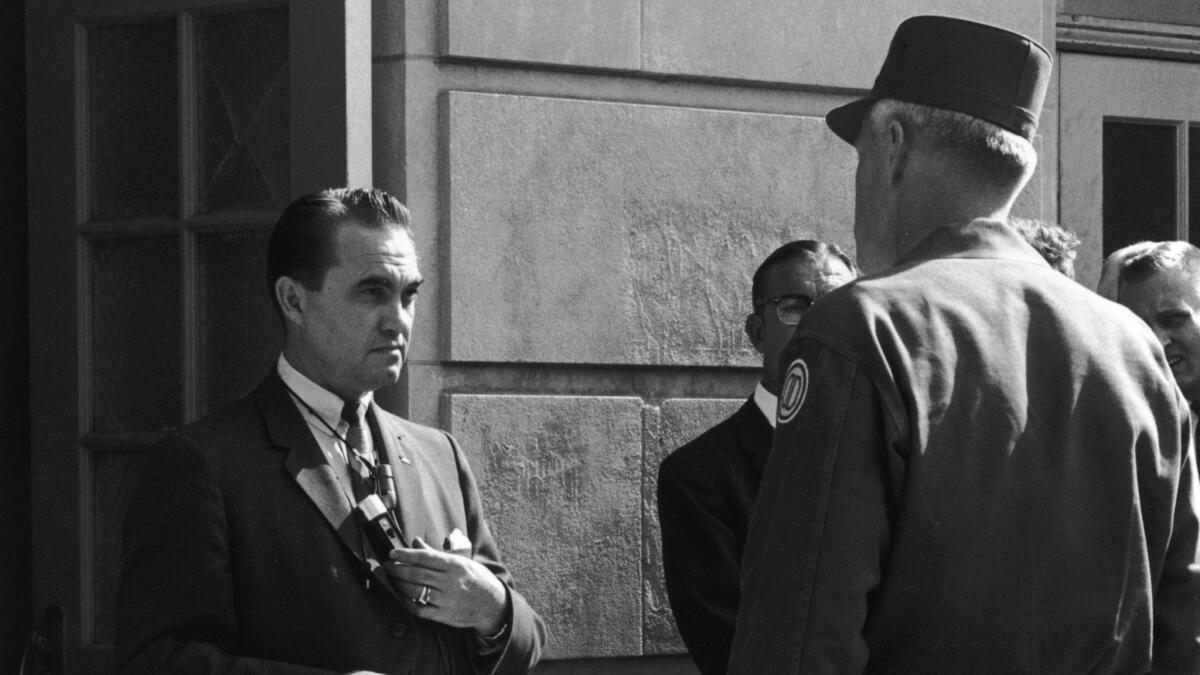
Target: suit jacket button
pixel 399 630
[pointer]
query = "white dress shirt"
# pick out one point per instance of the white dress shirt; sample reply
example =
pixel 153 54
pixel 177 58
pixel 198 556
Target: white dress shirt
pixel 767 402
pixel 326 425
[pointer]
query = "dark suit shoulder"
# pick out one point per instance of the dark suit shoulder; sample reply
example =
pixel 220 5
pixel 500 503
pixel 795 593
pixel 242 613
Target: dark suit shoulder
pixel 418 432
pixel 234 419
pixel 229 446
pixel 713 450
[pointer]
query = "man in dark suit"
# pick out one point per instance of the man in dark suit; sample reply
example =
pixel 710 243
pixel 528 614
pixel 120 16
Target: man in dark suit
pixel 243 551
pixel 706 489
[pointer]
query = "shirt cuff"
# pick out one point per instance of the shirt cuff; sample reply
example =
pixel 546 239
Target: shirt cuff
pixel 491 644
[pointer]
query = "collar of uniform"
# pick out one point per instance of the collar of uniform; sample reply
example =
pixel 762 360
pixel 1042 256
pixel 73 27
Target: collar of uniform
pixel 766 402
pixel 325 403
pixel 982 238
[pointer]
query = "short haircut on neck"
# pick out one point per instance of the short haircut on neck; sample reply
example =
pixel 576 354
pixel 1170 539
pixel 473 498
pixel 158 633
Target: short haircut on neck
pixel 808 250
pixel 1157 258
pixel 302 242
pixel 996 155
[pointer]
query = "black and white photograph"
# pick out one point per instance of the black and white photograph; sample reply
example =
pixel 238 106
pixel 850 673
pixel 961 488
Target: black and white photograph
pixel 600 337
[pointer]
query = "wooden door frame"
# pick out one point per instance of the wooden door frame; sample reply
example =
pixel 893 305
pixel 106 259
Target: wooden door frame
pixel 331 144
pixel 1079 34
pixel 1080 171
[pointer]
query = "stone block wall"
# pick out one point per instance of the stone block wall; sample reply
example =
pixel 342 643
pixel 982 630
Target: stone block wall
pixel 592 185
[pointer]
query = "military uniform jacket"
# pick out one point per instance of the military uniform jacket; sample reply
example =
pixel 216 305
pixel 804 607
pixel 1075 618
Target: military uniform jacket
pixel 980 466
pixel 242 554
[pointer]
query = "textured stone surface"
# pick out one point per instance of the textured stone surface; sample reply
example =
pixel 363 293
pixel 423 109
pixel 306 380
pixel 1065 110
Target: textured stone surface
pixel 584 232
pixel 825 42
pixel 560 479
pixel 602 33
pixel 665 429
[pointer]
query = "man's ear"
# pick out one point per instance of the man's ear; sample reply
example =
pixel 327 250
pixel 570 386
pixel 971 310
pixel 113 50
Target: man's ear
pixel 292 299
pixel 898 143
pixel 754 331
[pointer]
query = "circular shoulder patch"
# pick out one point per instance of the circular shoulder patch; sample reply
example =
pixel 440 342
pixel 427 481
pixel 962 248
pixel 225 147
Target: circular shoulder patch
pixel 795 388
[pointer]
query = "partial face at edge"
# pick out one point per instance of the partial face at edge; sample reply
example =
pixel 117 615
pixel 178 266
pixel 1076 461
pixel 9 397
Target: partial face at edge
pixel 1169 302
pixel 352 334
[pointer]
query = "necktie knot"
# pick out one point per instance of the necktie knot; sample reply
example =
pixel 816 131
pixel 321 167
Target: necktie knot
pixel 353 412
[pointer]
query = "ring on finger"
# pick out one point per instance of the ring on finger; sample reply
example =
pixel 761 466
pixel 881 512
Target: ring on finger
pixel 422 597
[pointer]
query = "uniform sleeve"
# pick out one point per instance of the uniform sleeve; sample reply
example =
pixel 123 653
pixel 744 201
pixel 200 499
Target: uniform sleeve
pixel 700 562
pixel 1177 597
pixel 526 636
pixel 175 600
pixel 820 529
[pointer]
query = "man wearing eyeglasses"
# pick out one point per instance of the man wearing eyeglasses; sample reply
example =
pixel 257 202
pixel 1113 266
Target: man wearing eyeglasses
pixel 706 489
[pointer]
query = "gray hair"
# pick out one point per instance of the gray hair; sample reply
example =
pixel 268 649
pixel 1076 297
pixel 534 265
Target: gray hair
pixel 996 153
pixel 1110 273
pixel 1054 243
pixel 1156 258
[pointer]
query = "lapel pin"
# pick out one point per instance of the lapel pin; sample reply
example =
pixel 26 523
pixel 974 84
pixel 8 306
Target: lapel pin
pixel 400 451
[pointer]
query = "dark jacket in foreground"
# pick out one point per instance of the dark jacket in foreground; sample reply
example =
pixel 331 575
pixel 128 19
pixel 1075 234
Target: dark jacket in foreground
pixel 241 554
pixel 989 470
pixel 706 492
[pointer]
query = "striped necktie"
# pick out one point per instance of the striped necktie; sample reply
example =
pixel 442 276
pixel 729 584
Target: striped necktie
pixel 361 462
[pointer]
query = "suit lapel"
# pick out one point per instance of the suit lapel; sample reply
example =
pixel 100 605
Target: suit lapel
pixel 307 465
pixel 305 462
pixel 408 480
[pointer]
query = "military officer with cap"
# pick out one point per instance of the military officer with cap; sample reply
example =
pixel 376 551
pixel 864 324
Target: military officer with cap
pixel 980 466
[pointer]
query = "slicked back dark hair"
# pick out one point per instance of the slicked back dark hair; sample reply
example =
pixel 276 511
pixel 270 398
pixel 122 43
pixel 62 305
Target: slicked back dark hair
pixel 1163 255
pixel 802 249
pixel 302 243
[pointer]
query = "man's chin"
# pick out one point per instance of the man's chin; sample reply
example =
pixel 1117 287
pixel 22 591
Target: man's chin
pixel 392 375
pixel 1190 386
pixel 379 379
pixel 1188 380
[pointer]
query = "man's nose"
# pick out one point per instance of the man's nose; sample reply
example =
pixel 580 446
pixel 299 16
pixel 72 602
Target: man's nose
pixel 397 319
pixel 1164 337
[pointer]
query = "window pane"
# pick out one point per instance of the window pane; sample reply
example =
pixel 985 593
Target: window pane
pixel 114 475
pixel 242 70
pixel 135 333
pixel 240 334
pixel 134 120
pixel 1139 183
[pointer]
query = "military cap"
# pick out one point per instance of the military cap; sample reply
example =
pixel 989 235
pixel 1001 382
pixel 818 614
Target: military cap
pixel 972 68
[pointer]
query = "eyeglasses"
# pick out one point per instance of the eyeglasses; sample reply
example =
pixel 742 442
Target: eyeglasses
pixel 789 308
